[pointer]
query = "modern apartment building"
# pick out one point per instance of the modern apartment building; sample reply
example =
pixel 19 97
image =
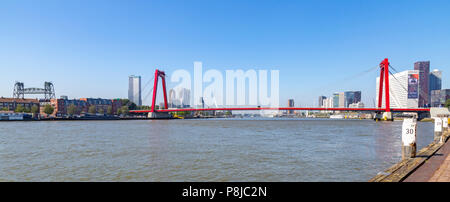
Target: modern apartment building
pixel 403 89
pixel 352 97
pixel 435 80
pixel 179 98
pixel 341 100
pixel 291 104
pixel 134 89
pixel 424 71
pixel 439 97
pixel 335 100
pixel 321 98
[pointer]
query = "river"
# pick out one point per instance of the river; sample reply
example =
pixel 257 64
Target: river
pixel 201 150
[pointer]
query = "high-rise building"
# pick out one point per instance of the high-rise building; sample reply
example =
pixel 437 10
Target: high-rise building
pixel 424 70
pixel 179 98
pixel 445 95
pixel 341 100
pixel 327 103
pixel 321 98
pixel 134 90
pixel 202 103
pixel 291 104
pixel 172 98
pixel 335 100
pixel 352 97
pixel 435 80
pixel 435 98
pixel 438 97
pixel 185 97
pixel 403 89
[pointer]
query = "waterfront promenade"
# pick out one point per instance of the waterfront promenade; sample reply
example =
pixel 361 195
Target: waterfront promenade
pixel 435 169
pixel 443 173
pixel 431 164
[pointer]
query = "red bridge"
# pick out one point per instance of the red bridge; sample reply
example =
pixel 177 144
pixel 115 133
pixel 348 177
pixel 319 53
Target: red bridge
pixel 384 77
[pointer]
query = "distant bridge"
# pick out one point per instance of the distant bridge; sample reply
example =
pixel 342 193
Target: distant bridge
pixel 48 91
pixel 384 79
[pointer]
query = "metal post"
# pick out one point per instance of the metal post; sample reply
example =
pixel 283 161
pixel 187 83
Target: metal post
pixel 445 123
pixel 409 130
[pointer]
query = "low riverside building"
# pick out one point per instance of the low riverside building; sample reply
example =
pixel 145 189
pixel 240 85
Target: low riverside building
pixel 103 104
pixel 10 104
pixel 82 105
pixel 60 106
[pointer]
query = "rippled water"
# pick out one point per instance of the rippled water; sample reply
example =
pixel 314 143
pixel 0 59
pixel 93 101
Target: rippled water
pixel 201 150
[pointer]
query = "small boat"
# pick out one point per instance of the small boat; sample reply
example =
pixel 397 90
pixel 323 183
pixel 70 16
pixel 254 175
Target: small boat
pixel 14 116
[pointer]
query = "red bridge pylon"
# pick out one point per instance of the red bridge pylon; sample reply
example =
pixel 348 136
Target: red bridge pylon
pixel 384 76
pixel 155 88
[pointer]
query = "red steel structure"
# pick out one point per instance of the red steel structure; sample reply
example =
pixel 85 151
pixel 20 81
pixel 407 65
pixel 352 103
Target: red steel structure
pixel 384 77
pixel 155 88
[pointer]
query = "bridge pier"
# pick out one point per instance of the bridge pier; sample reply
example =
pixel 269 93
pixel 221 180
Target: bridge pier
pixel 422 115
pixel 384 116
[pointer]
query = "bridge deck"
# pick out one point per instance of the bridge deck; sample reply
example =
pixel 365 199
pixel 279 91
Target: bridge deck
pixel 286 108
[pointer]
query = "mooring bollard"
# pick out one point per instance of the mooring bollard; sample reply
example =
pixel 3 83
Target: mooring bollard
pixel 409 129
pixel 437 129
pixel 445 130
pixel 445 124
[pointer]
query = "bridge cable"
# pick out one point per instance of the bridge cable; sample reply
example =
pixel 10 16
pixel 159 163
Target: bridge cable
pixel 150 91
pixel 148 94
pixel 393 68
pixel 394 95
pixel 406 90
pixel 420 89
pixel 148 82
pixel 398 81
pixel 349 78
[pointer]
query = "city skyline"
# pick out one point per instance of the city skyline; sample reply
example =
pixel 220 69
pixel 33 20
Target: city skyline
pixel 88 50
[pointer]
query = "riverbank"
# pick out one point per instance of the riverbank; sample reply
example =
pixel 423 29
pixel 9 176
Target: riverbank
pixel 147 118
pixel 83 119
pixel 104 119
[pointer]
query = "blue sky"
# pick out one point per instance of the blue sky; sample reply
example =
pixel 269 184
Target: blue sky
pixel 88 48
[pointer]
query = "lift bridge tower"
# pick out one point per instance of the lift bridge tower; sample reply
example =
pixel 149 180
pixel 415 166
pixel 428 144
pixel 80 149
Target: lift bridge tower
pixel 48 91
